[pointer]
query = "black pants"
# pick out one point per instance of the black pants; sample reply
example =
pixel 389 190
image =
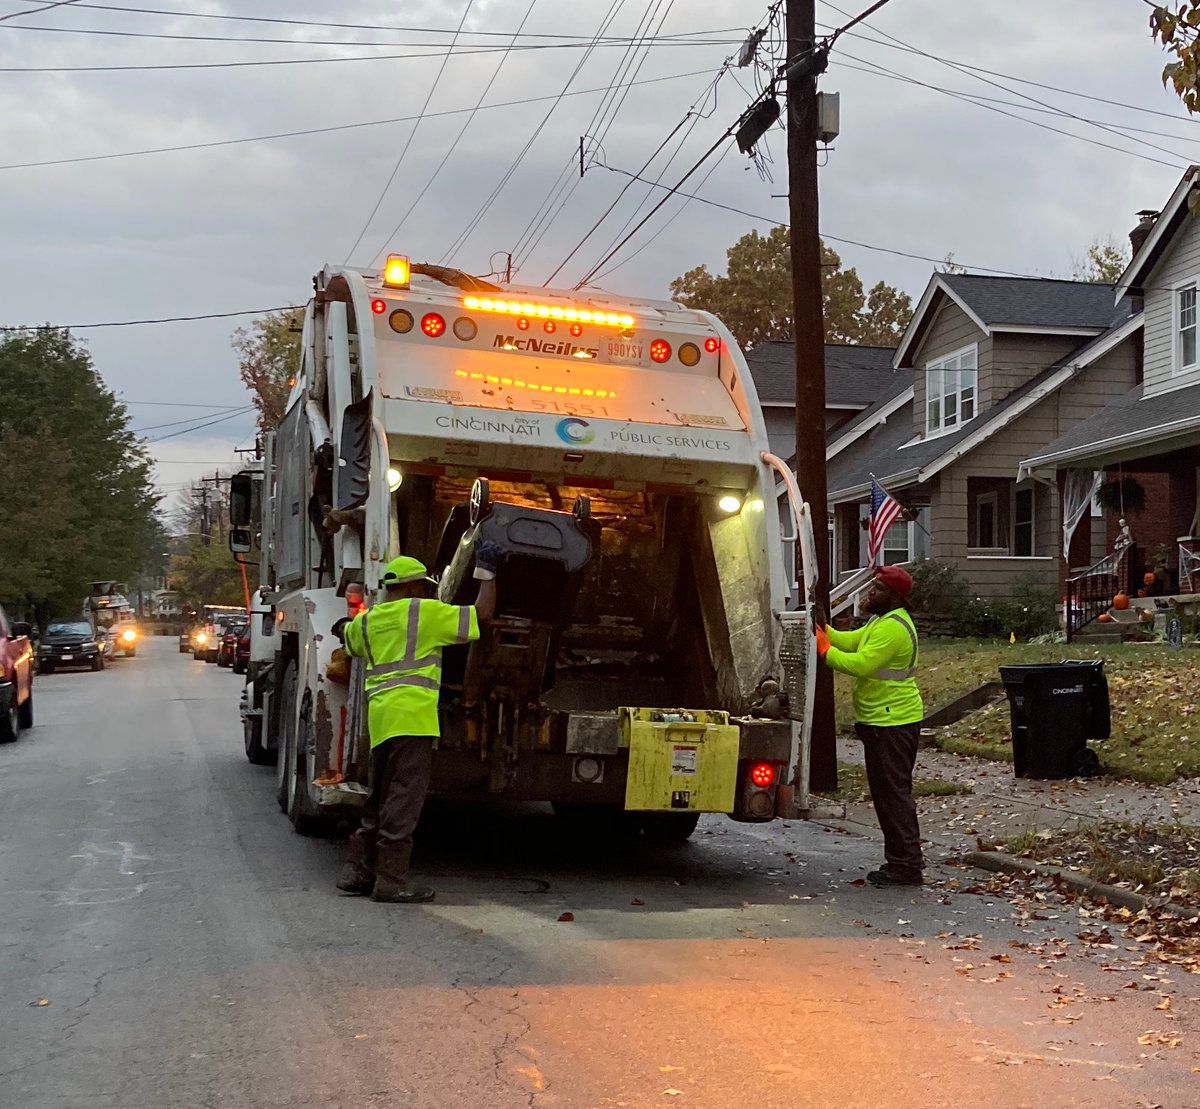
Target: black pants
pixel 891 754
pixel 400 770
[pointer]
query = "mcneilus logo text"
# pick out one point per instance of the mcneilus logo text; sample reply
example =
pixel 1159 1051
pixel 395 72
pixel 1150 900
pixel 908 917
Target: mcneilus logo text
pixel 541 346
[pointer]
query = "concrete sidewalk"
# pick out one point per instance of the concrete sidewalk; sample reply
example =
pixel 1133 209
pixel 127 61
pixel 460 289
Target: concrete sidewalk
pixel 1002 806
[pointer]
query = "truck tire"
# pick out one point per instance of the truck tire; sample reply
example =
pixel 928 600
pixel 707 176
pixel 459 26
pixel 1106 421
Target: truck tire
pixel 285 729
pixel 662 828
pixel 10 723
pixel 303 814
pixel 25 712
pixel 256 753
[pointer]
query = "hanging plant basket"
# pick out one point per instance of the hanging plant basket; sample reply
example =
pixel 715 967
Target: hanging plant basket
pixel 1123 497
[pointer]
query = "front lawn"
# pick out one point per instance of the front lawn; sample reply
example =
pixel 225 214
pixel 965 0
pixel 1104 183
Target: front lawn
pixel 1154 693
pixel 852 785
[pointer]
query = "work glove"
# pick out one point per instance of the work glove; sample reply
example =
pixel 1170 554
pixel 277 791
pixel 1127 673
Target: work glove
pixel 822 640
pixel 488 556
pixel 339 628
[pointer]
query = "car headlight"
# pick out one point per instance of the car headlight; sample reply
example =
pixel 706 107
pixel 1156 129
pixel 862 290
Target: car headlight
pixel 129 635
pixel 201 638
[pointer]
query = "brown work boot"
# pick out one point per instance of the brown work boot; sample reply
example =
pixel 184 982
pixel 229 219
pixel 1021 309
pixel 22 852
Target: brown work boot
pixel 391 877
pixel 357 875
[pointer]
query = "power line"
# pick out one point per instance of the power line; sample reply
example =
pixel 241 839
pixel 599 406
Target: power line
pixel 1014 92
pixel 35 11
pixel 173 404
pixel 227 18
pixel 266 62
pixel 612 110
pixel 704 38
pixel 458 138
pixel 331 129
pixel 966 97
pixel 201 427
pixel 567 182
pixel 468 230
pixel 191 419
pixel 873 70
pixel 1027 81
pixel 411 135
pixel 776 221
pixel 139 323
pixel 649 215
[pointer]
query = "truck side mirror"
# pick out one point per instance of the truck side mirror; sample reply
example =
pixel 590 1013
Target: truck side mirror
pixel 241 499
pixel 239 540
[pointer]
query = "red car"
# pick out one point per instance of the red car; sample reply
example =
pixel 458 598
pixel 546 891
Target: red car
pixel 16 678
pixel 241 653
pixel 227 643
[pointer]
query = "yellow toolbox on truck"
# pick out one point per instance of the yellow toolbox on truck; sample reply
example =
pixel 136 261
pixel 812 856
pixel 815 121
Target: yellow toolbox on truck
pixel 680 760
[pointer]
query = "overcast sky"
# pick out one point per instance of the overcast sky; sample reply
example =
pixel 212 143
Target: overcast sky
pixel 245 226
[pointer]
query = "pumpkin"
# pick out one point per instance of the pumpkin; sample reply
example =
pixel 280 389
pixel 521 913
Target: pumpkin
pixel 1148 577
pixel 1104 618
pixel 1121 601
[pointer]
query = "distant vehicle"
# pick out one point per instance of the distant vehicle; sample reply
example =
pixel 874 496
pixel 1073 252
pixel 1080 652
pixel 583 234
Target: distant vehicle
pixel 70 643
pixel 227 645
pixel 241 653
pixel 208 639
pixel 16 678
pixel 124 634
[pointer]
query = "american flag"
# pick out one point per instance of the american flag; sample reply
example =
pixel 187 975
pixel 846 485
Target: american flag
pixel 885 510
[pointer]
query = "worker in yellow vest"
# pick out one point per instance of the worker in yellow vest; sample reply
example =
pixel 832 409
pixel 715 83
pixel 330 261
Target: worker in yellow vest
pixel 401 639
pixel 881 657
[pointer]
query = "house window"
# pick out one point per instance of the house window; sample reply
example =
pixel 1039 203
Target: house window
pixel 1023 537
pixel 950 385
pixel 986 517
pixel 1185 328
pixel 897 543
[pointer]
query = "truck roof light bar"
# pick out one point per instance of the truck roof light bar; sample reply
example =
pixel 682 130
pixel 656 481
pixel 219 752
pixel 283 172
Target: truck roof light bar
pixel 549 311
pixel 397 272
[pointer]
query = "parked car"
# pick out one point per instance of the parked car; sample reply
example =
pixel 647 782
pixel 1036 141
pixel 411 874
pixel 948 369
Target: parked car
pixel 70 643
pixel 16 678
pixel 227 645
pixel 241 653
pixel 208 639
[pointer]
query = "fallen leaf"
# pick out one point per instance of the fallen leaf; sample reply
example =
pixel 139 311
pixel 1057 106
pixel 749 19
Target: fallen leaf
pixel 668 1069
pixel 566 918
pixel 637 901
pixel 1163 1005
pixel 41 1003
pixel 670 1091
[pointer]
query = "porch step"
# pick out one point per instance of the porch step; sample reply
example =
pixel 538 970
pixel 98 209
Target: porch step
pixel 1099 633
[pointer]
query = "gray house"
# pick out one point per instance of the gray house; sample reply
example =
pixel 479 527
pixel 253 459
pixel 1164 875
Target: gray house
pixel 1150 432
pixel 991 371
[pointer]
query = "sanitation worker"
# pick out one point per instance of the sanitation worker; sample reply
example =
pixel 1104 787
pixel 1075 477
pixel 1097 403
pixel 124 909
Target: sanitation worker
pixel 881 657
pixel 401 639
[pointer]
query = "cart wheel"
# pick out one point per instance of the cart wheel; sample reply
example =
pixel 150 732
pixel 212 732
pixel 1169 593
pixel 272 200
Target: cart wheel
pixel 481 499
pixel 583 508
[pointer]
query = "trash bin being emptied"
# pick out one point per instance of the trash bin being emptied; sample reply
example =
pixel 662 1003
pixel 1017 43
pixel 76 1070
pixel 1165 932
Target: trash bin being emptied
pixel 1056 707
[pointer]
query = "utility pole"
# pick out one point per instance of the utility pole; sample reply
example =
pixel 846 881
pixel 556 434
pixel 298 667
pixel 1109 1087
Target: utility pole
pixel 204 512
pixel 809 327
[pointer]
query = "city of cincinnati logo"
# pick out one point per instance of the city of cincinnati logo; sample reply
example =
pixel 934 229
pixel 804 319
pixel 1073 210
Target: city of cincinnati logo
pixel 575 431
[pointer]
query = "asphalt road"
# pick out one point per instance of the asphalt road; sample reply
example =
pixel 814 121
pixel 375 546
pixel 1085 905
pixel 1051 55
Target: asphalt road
pixel 166 940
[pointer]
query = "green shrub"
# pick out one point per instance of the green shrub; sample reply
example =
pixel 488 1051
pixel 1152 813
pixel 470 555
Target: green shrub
pixel 940 593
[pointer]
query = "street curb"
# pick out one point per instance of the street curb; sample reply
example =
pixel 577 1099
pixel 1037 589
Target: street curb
pixel 1000 862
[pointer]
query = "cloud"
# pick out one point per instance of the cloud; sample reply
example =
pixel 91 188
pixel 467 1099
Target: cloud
pixel 246 226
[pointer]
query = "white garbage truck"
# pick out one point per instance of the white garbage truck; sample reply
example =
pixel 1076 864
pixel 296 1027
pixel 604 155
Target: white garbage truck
pixel 644 664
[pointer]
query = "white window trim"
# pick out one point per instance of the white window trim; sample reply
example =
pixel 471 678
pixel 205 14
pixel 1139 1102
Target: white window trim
pixel 939 364
pixel 1010 558
pixel 993 498
pixel 1177 368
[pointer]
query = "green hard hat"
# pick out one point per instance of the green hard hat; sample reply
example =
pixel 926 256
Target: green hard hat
pixel 402 570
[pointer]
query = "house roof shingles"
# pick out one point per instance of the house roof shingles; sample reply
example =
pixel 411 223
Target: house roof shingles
pixel 1034 301
pixel 853 375
pixel 1128 415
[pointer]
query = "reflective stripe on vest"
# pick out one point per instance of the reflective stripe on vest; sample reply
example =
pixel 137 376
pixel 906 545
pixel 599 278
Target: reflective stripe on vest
pixel 886 675
pixel 366 639
pixel 378 679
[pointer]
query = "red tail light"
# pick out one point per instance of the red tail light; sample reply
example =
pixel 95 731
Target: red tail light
pixel 433 325
pixel 711 345
pixel 660 350
pixel 763 774
pixel 379 307
pixel 355 600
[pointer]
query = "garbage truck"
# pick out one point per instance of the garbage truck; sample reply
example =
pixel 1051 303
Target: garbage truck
pixel 646 662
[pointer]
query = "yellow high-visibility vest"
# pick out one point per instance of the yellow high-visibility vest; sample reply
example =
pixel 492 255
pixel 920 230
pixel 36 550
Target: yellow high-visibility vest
pixel 402 643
